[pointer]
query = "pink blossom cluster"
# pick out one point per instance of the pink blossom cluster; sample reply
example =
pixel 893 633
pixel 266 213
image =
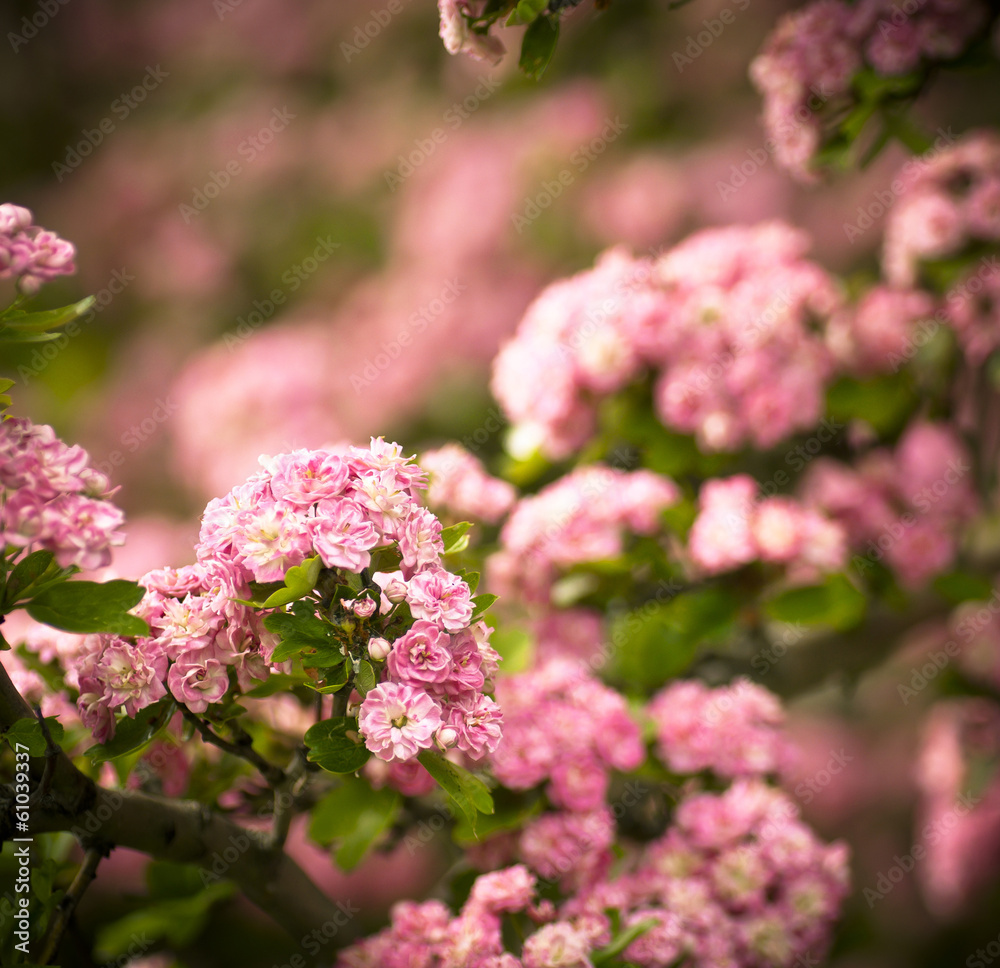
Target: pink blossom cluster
pixel 736 526
pixel 810 59
pixel 459 38
pixel 563 727
pixel 905 507
pixel 29 253
pixel 580 518
pixel 959 815
pixel 737 882
pixel 733 730
pixel 460 485
pixel 199 633
pixel 341 507
pixel 952 202
pixel 724 322
pixel 53 499
pixel 881 331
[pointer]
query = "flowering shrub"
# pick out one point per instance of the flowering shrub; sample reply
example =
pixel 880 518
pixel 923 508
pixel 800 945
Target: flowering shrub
pixel 722 458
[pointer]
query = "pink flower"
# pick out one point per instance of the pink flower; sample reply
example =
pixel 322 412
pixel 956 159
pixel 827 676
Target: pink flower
pixel 459 39
pixel 305 477
pixel 423 654
pixel 343 535
pixel 420 541
pixel 133 674
pixel 269 540
pixel 440 597
pixel 398 720
pixel 557 945
pixel 511 889
pixel 478 721
pixel 720 538
pixel 197 681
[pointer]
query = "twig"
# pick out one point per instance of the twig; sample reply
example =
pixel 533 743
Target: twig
pixel 52 752
pixel 286 799
pixel 243 748
pixel 62 914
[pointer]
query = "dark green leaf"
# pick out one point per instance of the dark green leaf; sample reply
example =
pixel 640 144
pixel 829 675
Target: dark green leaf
pixel 959 586
pixel 365 680
pixel 336 745
pixel 28 733
pixel 619 943
pixel 355 815
pixel 25 572
pixel 885 402
pixel 480 604
pixel 302 631
pixel 660 639
pixel 87 606
pixel 468 792
pixel 538 46
pixel 836 603
pixel 275 682
pixel 133 734
pixel 525 12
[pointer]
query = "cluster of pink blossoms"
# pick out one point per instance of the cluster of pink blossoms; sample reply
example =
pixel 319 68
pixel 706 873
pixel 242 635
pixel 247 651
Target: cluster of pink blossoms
pixel 732 731
pixel 581 517
pixel 952 202
pixel 881 331
pixel 906 507
pixel 810 59
pixel 460 485
pixel 341 507
pixel 737 881
pixel 723 321
pixel 52 499
pixel 29 253
pixel 736 526
pixel 959 815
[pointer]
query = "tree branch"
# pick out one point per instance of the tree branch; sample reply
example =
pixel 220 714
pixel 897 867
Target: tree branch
pixel 60 917
pixel 182 831
pixel 274 775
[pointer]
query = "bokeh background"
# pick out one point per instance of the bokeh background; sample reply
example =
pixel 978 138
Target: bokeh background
pixel 305 223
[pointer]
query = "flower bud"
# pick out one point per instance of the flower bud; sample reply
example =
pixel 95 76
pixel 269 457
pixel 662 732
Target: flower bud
pixel 378 648
pixel 395 591
pixel 447 736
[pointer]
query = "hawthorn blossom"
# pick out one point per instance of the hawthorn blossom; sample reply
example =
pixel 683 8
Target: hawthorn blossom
pixel 398 720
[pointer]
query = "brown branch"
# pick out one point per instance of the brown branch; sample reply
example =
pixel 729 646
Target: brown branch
pixel 274 775
pixel 182 831
pixel 60 917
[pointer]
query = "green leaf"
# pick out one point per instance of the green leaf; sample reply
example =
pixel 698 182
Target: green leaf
pixel 468 792
pixel 275 682
pixel 471 578
pixel 836 602
pixel 336 746
pixel 480 603
pixel 885 402
pixel 300 580
pixel 88 606
pixel 178 922
pixel 9 335
pixel 301 630
pixel 26 572
pixel 456 537
pixel 660 639
pixel 960 586
pixel 28 732
pixel 538 46
pixel 355 815
pixel 526 12
pixel 619 943
pixel 365 680
pixel 502 821
pixel 47 319
pixel 133 734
